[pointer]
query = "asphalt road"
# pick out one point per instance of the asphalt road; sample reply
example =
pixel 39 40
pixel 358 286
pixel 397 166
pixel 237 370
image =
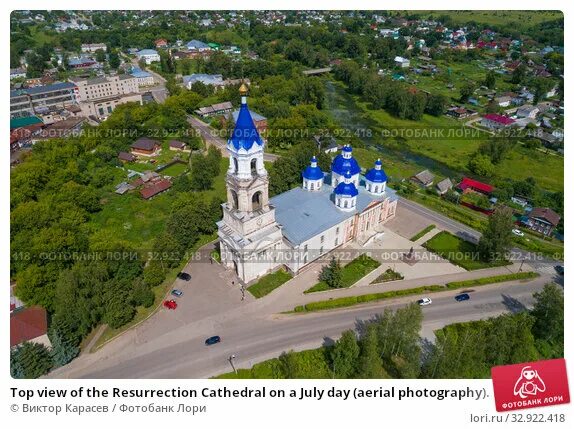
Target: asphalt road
pixel 255 339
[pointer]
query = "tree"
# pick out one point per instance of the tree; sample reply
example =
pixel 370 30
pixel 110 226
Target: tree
pixel 398 341
pixel 480 164
pixel 548 312
pixel 29 360
pixel 436 105
pixel 332 274
pixel 466 91
pixel 370 364
pixel 64 343
pixel 344 355
pixel 114 59
pixel 519 74
pixel 497 237
pixel 100 55
pixel 490 80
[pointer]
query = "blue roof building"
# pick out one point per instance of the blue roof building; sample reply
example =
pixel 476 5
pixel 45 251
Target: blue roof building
pixel 343 163
pixel 245 134
pixel 376 179
pixel 197 45
pixel 313 176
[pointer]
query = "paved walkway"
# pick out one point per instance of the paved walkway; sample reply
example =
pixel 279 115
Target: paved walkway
pixel 427 236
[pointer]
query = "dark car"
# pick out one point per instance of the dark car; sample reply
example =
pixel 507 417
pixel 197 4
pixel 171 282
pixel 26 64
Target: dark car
pixel 213 340
pixel 184 276
pixel 462 297
pixel 559 269
pixel 177 293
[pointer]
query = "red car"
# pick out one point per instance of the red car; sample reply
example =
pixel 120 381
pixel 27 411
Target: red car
pixel 171 304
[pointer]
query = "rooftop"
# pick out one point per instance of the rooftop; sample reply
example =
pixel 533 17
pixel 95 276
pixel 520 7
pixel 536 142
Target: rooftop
pixel 27 324
pixel 303 214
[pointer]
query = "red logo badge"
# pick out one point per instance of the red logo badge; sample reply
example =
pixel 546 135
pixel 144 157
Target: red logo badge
pixel 530 385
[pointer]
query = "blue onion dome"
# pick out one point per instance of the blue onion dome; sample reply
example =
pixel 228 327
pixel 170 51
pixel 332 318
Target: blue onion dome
pixel 345 162
pixel 245 134
pixel 347 188
pixel 313 172
pixel 377 174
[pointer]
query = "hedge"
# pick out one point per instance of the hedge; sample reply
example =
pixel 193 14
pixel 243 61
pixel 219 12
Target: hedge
pixel 350 301
pixel 493 279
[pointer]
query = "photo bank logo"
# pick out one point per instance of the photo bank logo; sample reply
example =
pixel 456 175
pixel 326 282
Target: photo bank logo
pixel 530 385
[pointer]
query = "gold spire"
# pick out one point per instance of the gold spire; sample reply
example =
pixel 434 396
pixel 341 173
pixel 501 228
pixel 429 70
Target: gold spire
pixel 243 89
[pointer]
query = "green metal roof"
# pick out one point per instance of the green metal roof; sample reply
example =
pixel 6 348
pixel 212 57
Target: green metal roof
pixel 23 122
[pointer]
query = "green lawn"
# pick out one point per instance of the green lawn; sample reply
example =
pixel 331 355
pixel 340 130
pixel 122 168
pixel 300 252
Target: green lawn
pixel 459 252
pixel 268 283
pixel 388 276
pixel 301 365
pixel 174 170
pixel 350 301
pixel 138 221
pixel 351 273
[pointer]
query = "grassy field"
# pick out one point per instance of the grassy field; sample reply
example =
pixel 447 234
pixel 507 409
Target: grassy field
pixel 546 169
pixel 175 170
pixel 351 273
pixel 138 221
pixel 305 364
pixel 516 19
pixel 268 283
pixel 459 252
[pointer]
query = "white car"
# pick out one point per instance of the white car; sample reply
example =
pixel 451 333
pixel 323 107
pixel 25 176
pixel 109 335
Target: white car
pixel 518 232
pixel 424 301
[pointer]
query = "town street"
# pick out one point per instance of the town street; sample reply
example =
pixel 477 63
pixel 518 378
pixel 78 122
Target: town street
pixel 253 338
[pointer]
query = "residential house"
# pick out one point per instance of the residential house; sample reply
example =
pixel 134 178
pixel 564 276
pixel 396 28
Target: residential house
pixel 82 63
pixel 145 146
pixel 443 186
pixel 259 120
pixel 215 80
pixel 17 73
pixel 126 157
pixel 543 220
pixel 494 121
pixel 215 109
pixel 29 324
pixel 155 188
pixel 93 47
pixel 468 184
pixel 148 55
pixel 161 44
pixel 197 46
pixel 527 111
pixel 503 101
pixel 177 145
pixel 424 178
pixel 402 62
pixel 459 112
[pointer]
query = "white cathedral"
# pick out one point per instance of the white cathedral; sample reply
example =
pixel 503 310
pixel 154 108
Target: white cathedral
pixel 258 234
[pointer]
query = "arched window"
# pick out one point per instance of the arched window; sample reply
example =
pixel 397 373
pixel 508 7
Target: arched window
pixel 254 167
pixel 235 165
pixel 234 199
pixel 256 200
pixel 376 189
pixel 312 186
pixel 346 204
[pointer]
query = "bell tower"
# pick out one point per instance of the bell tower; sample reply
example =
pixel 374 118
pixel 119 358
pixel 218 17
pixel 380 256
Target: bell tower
pixel 248 226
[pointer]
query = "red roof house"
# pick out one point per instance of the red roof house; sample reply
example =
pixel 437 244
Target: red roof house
pixel 475 185
pixel 28 324
pixel 496 121
pixel 155 188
